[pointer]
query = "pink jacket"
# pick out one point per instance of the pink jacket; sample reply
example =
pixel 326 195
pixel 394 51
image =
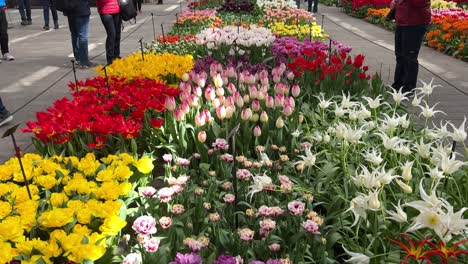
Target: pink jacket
pixel 108 6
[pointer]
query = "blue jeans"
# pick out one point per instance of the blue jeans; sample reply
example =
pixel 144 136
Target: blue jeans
pixel 408 41
pixel 79 29
pixel 2 107
pixel 24 7
pixel 46 4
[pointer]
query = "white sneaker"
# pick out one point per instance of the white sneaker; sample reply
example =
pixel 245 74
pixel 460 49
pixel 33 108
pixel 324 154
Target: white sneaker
pixel 8 57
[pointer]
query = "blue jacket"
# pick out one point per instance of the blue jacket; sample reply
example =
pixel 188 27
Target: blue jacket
pixel 2 2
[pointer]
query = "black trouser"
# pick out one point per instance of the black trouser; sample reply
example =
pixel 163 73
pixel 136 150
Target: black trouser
pixel 113 25
pixel 408 41
pixel 3 31
pixel 309 5
pixel 137 4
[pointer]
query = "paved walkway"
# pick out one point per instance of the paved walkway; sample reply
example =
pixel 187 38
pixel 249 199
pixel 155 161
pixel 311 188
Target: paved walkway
pixel 42 70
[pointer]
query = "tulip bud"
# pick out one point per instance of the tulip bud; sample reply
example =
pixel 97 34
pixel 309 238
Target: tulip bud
pixel 193 101
pixel 255 105
pixel 216 102
pixel 209 93
pixel 290 76
pixel 185 77
pixel 295 90
pixel 276 78
pixel 179 115
pixel 246 114
pixel 257 131
pixel 279 100
pixel 254 117
pixel 269 102
pixel 246 98
pixel 279 122
pixel 406 174
pixel 221 112
pixel 374 202
pixel 170 103
pixel 201 82
pixel 287 110
pixel 301 119
pixel 197 91
pixel 200 119
pixel 231 88
pixel 220 91
pixel 185 107
pixel 239 102
pixel 405 187
pixel 264 117
pixel 201 136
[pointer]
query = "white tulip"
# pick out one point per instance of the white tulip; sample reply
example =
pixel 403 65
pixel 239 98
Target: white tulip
pixel 357 258
pixel 459 134
pixel 399 96
pixel 429 112
pixel 405 187
pixel 399 215
pixel 406 170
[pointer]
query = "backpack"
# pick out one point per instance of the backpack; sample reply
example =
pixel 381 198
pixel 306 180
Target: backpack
pixel 65 5
pixel 127 10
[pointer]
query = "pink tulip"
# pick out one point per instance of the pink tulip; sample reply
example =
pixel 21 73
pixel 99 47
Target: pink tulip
pixel 230 111
pixel 255 105
pixel 170 103
pixel 221 112
pixel 200 119
pixel 185 107
pixel 290 101
pixel 209 93
pixel 179 115
pixel 288 110
pixel 220 91
pixel 253 91
pixel 246 114
pixel 216 102
pixel 276 78
pixel 201 136
pixel 246 98
pixel 193 101
pixel 197 91
pixel 264 80
pixel 290 76
pixel 201 82
pixel 279 100
pixel 230 72
pixel 257 131
pixel 239 102
pixel 295 90
pixel 208 117
pixel 225 78
pixel 231 88
pixel 269 101
pixel 241 78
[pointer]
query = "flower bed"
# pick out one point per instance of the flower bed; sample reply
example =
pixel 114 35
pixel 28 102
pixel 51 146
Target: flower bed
pixel 292 152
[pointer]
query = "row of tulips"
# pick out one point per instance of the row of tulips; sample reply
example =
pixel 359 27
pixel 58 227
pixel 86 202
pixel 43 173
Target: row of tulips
pixel 288 153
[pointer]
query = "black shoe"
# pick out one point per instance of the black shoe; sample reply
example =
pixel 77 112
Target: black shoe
pixel 89 65
pixel 56 25
pixel 24 22
pixel 29 22
pixel 5 118
pixel 46 27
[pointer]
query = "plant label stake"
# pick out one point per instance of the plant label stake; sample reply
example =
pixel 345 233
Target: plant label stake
pixel 323 17
pixel 329 51
pixel 310 30
pixel 11 132
pixel 177 22
pixel 162 30
pixel 454 145
pixel 152 21
pixel 74 72
pixel 107 79
pixel 142 51
pixel 232 136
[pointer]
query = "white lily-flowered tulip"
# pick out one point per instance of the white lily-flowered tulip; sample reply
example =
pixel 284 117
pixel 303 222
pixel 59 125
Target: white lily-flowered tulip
pixel 346 102
pixel 459 134
pixel 308 160
pixel 324 104
pixel 429 112
pixel 406 170
pixel 416 102
pixel 356 258
pixel 259 183
pixel 449 165
pixel 405 187
pixel 454 222
pixel 373 156
pixel 427 88
pixel 435 173
pixel 423 150
pixel 359 206
pixel 399 215
pixel 366 179
pixel 374 103
pixel 390 143
pixel 399 96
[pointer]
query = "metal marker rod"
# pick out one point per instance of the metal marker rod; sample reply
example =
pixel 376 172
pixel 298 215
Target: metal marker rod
pixel 162 30
pixel 154 30
pixel 329 50
pixel 74 73
pixel 107 79
pixel 18 155
pixel 142 51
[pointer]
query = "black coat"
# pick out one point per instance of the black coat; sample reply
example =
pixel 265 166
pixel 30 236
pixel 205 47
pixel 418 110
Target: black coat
pixel 81 9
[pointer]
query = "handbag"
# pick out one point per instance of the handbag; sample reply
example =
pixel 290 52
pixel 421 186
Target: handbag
pixel 127 10
pixel 391 15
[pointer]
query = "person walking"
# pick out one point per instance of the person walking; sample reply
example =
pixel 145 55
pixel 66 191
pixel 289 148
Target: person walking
pixel 309 6
pixel 46 5
pixel 138 4
pixel 412 18
pixel 24 7
pixel 4 34
pixel 78 22
pixel 109 12
pixel 5 116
